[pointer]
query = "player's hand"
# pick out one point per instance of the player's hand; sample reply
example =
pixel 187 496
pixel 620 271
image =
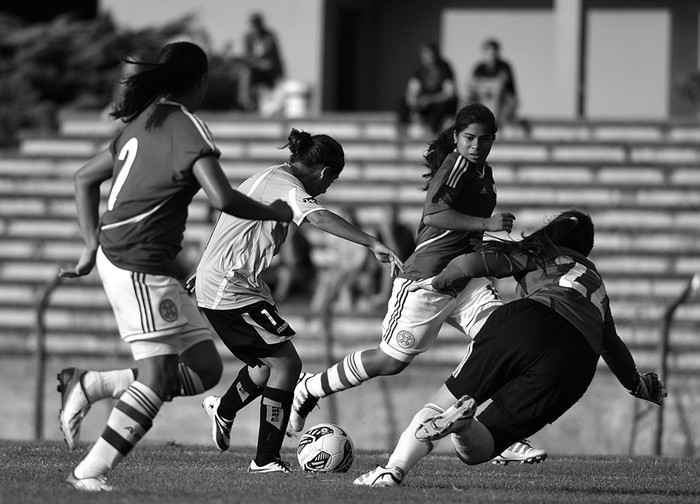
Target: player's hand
pixel 650 388
pixel 425 284
pixel 190 283
pixel 501 222
pixel 83 267
pixel 283 210
pixel 386 255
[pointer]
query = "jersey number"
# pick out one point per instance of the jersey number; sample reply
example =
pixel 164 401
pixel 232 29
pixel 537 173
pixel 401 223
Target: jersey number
pixel 127 153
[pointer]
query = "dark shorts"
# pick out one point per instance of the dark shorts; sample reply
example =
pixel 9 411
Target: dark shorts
pixel 250 332
pixel 531 362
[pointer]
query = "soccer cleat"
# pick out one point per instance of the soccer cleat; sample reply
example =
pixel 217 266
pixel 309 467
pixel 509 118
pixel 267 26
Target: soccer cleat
pixel 302 405
pixel 451 420
pixel 381 477
pixel 220 428
pixel 274 466
pixel 95 484
pixel 74 404
pixel 522 452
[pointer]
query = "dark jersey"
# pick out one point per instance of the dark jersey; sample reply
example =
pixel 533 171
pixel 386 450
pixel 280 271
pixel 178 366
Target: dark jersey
pixel 459 186
pixel 152 186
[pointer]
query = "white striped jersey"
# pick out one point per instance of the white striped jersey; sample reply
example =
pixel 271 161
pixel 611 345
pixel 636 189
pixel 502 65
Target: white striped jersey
pixel 152 186
pixel 459 186
pixel 239 250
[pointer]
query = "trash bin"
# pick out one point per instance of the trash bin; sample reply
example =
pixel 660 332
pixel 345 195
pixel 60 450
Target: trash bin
pixel 297 95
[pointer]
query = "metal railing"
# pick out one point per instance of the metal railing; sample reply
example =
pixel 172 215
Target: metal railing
pixel 40 352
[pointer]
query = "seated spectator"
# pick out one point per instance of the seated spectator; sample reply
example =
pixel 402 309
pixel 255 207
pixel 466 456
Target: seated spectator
pixel 493 83
pixel 262 66
pixel 431 93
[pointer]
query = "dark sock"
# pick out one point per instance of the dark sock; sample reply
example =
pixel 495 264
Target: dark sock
pixel 275 407
pixel 242 392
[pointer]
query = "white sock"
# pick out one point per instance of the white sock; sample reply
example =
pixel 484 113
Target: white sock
pixel 474 443
pixel 103 384
pixel 409 450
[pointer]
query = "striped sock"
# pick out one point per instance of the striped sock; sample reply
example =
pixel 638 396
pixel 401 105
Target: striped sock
pixel 129 421
pixel 346 374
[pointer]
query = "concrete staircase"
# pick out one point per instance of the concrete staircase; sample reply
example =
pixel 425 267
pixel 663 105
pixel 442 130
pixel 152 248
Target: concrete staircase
pixel 640 182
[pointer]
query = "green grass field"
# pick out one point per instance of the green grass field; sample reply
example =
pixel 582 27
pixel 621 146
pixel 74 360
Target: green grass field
pixel 34 472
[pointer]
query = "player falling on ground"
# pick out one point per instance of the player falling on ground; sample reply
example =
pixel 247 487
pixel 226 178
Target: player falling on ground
pixel 460 198
pixel 535 356
pixel 239 305
pixel 157 163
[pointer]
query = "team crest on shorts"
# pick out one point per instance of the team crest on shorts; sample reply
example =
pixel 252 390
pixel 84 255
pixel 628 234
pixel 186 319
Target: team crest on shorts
pixel 405 339
pixel 168 310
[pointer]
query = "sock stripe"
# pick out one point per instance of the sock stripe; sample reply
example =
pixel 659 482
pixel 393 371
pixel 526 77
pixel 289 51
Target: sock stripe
pixel 143 401
pixel 353 367
pixel 116 441
pixel 143 420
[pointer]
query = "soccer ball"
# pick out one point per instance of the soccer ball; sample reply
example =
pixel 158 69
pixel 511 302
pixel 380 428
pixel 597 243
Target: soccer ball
pixel 325 448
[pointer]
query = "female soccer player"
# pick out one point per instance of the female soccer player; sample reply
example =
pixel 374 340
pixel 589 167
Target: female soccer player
pixel 238 303
pixel 460 197
pixel 535 356
pixel 157 162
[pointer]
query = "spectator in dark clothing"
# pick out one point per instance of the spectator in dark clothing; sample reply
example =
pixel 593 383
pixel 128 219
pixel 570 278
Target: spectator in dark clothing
pixel 262 68
pixel 431 93
pixel 493 83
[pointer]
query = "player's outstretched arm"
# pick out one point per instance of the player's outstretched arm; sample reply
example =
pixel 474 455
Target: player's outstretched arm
pixel 617 356
pixel 87 200
pixel 334 224
pixel 226 199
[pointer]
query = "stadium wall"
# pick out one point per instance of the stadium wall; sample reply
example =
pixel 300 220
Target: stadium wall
pixel 573 58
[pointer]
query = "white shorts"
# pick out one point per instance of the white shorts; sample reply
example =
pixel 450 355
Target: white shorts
pixel 413 319
pixel 154 312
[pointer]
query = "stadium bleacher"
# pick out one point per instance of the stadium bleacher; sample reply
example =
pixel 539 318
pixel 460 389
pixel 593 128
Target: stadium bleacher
pixel 640 181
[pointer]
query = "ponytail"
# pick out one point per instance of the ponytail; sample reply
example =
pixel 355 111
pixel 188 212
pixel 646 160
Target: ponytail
pixel 311 150
pixel 179 67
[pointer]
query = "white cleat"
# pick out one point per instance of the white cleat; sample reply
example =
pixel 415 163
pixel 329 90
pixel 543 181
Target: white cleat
pixel 381 477
pixel 220 428
pixel 451 420
pixel 74 404
pixel 302 405
pixel 521 452
pixel 94 484
pixel 274 466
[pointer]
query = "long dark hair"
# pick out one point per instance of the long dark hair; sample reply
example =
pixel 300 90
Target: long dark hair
pixel 311 149
pixel 572 229
pixel 180 65
pixel 439 148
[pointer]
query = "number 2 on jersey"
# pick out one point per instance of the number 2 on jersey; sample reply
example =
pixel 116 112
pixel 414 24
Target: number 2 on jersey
pixel 128 153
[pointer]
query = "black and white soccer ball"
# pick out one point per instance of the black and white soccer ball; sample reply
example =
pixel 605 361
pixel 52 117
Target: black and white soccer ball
pixel 325 448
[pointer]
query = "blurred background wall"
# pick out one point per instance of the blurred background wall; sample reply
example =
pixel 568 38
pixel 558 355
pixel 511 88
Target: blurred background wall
pixel 572 58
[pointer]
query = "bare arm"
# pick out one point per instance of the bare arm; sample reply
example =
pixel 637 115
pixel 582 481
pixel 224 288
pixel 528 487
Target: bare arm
pixel 223 197
pixel 87 199
pixel 457 221
pixel 334 224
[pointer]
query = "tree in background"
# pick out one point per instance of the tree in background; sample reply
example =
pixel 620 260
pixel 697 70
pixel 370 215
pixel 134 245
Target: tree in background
pixel 70 63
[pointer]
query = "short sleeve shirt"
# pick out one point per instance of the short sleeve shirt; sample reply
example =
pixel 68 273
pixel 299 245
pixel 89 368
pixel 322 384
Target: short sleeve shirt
pixel 239 250
pixel 152 186
pixel 459 186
